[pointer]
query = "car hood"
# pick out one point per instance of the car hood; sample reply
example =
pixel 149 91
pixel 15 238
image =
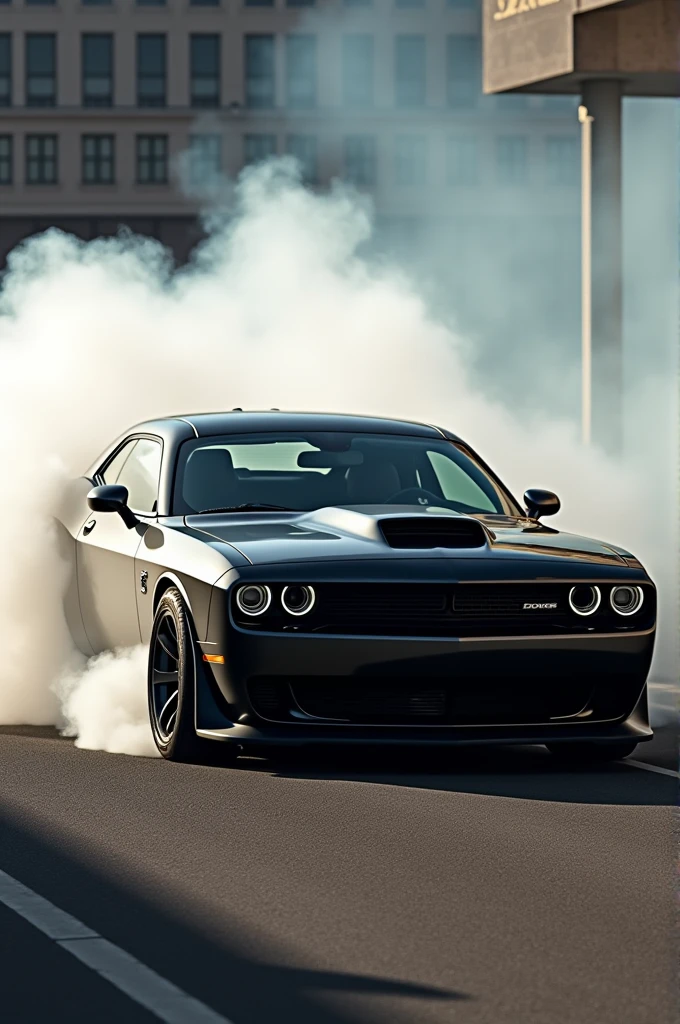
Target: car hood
pixel 339 533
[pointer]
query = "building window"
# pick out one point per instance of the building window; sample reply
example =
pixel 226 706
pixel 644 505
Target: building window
pixel 39 3
pixel 462 161
pixel 358 3
pixel 151 3
pixel 303 147
pixel 259 63
pixel 562 160
pixel 463 70
pixel 6 160
pixel 299 3
pixel 357 70
pixel 511 159
pixel 462 3
pixel 41 159
pixel 205 3
pixel 41 68
pixel 97 154
pixel 409 3
pixel 258 3
pixel 97 70
pixel 301 71
pixel 96 3
pixel 258 147
pixel 5 69
pixel 152 159
pixel 409 70
pixel 360 159
pixel 205 158
pixel 410 160
pixel 151 70
pixel 205 70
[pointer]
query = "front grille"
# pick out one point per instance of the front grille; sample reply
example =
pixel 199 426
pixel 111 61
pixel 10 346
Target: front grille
pixel 441 610
pixel 418 700
pixel 433 532
pixel 446 610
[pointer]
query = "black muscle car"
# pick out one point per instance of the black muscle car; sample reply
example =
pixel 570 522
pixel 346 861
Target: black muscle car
pixel 305 579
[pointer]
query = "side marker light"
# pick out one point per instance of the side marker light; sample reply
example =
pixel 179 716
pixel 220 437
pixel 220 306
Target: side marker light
pixel 214 659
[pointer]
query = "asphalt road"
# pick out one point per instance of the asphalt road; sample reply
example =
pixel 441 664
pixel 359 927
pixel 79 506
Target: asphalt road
pixel 493 888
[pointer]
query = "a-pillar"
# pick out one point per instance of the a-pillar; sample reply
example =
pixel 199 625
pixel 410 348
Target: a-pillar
pixel 603 100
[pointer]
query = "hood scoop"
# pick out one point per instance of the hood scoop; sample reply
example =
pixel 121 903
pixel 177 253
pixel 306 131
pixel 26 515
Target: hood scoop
pixel 433 532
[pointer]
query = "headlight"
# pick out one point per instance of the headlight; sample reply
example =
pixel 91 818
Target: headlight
pixel 584 599
pixel 627 600
pixel 298 600
pixel 253 598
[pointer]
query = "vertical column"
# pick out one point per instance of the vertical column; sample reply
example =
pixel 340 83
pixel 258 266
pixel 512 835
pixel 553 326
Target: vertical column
pixel 603 100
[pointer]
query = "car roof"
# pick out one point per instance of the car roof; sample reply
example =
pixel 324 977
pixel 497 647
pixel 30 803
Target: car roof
pixel 239 421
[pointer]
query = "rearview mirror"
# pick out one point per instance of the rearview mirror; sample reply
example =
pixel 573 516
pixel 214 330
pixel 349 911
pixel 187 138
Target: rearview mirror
pixel 541 503
pixel 112 498
pixel 329 460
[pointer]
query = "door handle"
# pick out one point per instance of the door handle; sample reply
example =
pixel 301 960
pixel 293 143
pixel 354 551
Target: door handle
pixel 89 527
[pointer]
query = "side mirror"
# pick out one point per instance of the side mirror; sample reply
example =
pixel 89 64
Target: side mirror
pixel 112 498
pixel 541 503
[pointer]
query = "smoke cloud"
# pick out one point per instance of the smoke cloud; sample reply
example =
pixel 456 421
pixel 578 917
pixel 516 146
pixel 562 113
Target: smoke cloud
pixel 278 308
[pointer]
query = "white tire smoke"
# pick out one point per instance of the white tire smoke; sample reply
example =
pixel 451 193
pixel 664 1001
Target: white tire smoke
pixel 277 309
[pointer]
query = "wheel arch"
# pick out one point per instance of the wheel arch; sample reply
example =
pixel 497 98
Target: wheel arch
pixel 165 582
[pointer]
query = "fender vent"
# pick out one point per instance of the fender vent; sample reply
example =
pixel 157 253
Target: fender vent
pixel 433 532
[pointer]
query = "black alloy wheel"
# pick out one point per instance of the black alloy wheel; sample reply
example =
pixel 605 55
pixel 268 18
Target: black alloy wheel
pixel 592 752
pixel 172 685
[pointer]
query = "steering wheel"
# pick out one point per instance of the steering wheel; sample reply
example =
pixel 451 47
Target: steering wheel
pixel 414 496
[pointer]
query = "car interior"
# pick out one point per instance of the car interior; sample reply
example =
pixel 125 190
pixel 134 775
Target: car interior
pixel 212 481
pixel 374 474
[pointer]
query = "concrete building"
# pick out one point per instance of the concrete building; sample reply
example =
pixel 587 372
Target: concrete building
pixel 99 97
pixel 600 51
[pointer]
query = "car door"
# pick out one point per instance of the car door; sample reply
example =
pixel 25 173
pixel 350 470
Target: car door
pixel 106 548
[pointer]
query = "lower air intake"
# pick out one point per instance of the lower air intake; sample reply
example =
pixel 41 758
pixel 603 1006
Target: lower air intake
pixel 395 702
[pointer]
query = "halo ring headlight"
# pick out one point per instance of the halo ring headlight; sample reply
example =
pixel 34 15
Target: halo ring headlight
pixel 585 599
pixel 253 598
pixel 632 598
pixel 298 599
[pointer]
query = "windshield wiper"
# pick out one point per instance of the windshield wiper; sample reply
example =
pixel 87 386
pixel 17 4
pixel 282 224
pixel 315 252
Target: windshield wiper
pixel 248 506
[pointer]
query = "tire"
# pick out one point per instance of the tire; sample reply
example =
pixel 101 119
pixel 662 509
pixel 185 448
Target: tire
pixel 172 687
pixel 592 752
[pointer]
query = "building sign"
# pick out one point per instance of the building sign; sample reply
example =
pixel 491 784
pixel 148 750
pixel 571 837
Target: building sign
pixel 526 42
pixel 509 8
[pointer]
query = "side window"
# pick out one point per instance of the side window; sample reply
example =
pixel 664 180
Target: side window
pixel 457 486
pixel 113 470
pixel 140 474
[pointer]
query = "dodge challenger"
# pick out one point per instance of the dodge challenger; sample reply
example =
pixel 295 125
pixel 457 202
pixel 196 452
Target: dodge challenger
pixel 306 579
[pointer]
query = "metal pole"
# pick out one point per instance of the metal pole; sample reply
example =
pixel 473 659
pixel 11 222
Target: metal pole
pixel 586 276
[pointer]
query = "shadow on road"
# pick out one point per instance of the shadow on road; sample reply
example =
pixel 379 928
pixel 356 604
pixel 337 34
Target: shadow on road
pixel 525 773
pixel 245 986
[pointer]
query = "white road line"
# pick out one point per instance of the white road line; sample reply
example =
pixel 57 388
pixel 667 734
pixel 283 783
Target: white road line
pixel 651 768
pixel 140 983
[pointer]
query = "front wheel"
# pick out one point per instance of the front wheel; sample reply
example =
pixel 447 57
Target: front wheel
pixel 172 685
pixel 585 752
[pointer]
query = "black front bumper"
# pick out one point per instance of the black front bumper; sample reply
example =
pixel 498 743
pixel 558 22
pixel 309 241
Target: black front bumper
pixel 610 670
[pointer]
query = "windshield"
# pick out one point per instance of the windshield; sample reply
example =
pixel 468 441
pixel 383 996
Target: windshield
pixel 307 471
